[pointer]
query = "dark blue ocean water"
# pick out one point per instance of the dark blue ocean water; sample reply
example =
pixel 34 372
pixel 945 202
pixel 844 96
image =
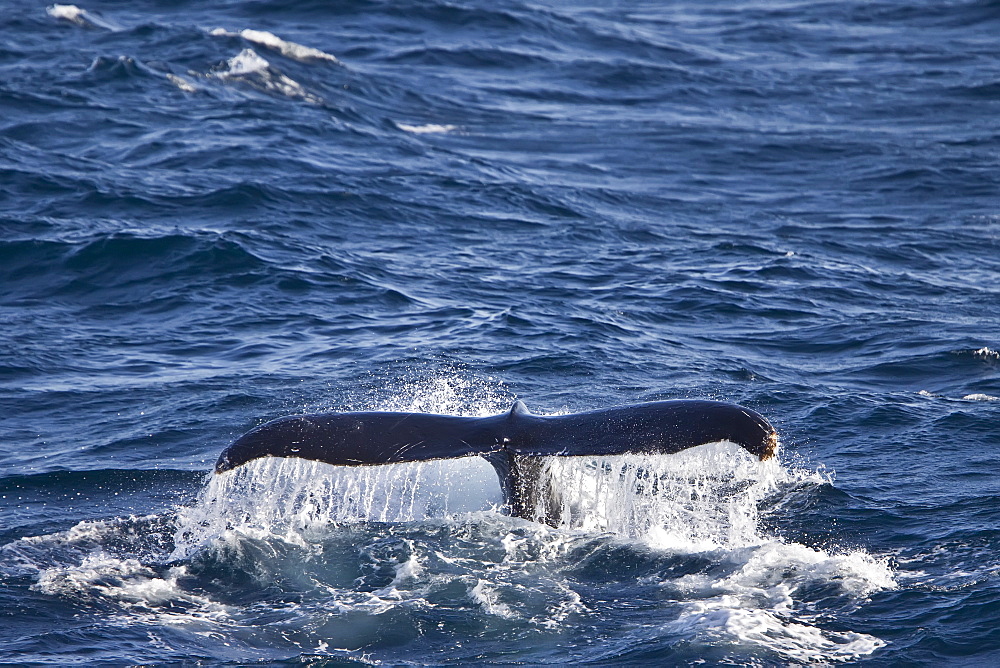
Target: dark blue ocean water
pixel 213 214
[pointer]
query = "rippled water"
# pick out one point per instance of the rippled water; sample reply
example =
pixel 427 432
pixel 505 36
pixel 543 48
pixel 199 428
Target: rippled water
pixel 215 215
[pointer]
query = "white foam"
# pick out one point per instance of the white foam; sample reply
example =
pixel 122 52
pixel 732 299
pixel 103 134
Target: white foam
pixel 725 619
pixel 705 500
pixel 485 596
pixel 66 12
pixel 987 353
pixel 245 62
pixel 569 604
pixel 107 576
pixel 407 571
pixel 977 396
pixel 430 128
pixel 79 563
pixel 183 83
pixel 284 47
pixel 80 17
pixel 756 603
pixel 247 66
pixel 980 397
pixel 793 566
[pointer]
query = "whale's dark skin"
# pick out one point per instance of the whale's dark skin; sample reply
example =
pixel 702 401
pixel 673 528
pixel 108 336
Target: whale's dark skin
pixel 511 441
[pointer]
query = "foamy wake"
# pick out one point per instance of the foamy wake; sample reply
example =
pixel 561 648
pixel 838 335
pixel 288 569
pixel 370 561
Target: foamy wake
pixel 129 582
pixel 701 503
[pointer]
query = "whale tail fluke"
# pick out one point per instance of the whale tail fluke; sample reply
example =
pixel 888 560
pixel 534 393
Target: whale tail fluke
pixel 511 442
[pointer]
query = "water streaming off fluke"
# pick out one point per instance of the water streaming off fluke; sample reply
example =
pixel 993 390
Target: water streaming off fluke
pixel 706 496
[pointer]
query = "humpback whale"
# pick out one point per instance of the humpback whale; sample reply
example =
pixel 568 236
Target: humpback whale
pixel 513 442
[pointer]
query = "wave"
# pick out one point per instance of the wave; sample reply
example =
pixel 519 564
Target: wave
pixel 80 17
pixel 248 67
pixel 285 48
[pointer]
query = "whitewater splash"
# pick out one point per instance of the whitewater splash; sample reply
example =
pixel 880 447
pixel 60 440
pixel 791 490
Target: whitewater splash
pixel 428 536
pixel 369 543
pixel 703 501
pixel 301 501
pixel 704 498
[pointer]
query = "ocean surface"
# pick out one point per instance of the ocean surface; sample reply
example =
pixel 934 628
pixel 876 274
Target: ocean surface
pixel 215 214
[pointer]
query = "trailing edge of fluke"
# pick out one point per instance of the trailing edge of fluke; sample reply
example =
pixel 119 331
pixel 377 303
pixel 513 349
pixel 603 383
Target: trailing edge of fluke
pixel 512 442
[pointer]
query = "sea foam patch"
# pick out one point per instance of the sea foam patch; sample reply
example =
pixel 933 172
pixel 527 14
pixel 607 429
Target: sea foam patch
pixel 284 47
pixel 764 601
pixel 250 68
pixel 725 619
pixel 427 129
pixel 80 17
